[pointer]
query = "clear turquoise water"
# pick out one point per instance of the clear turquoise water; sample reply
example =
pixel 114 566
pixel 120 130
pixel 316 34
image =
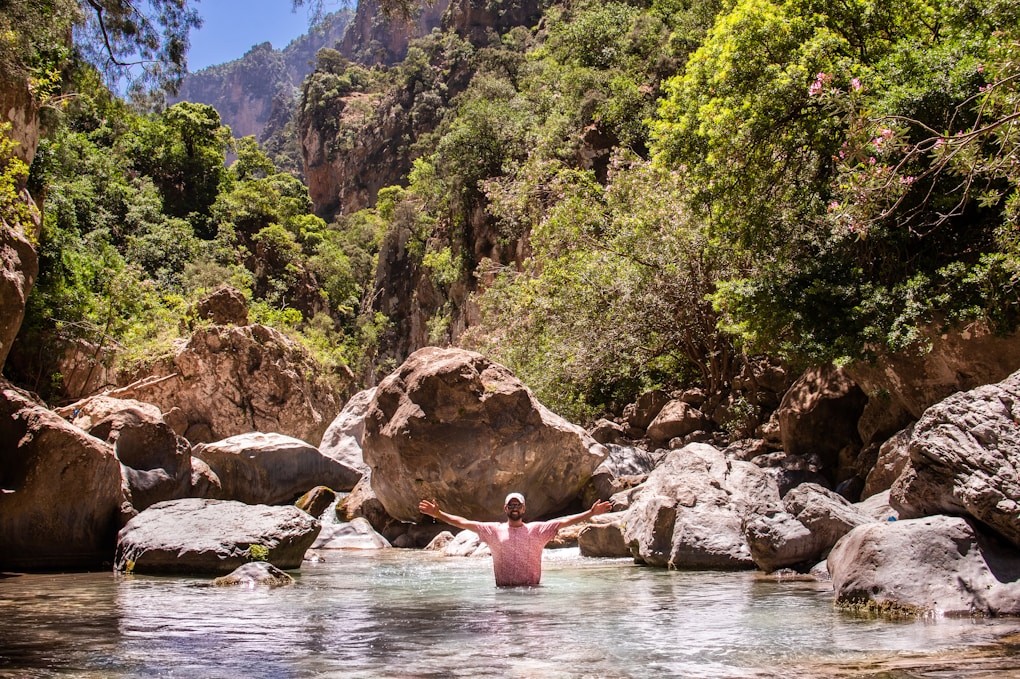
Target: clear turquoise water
pixel 398 613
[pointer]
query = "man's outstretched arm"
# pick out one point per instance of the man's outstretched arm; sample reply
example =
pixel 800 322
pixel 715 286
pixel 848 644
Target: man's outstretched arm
pixel 599 507
pixel 430 508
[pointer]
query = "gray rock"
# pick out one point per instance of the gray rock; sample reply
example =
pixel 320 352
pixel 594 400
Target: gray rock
pixel 780 541
pixel 824 512
pixel 877 507
pixel 451 425
pixel 357 534
pixel 625 467
pixel 269 468
pixel 603 536
pixel 255 574
pixel 893 456
pixel 691 511
pixel 964 457
pixel 677 419
pixel 342 440
pixel 935 565
pixel 198 536
pixel 155 461
pixel 466 543
pixel 814 520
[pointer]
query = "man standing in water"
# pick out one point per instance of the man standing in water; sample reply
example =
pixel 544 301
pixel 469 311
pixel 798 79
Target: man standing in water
pixel 516 546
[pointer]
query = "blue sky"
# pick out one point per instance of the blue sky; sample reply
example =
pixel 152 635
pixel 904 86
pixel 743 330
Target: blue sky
pixel 231 27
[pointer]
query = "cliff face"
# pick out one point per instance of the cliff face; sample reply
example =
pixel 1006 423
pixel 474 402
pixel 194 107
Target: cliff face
pixel 373 38
pixel 19 108
pixel 476 20
pixel 366 142
pixel 20 225
pixel 250 92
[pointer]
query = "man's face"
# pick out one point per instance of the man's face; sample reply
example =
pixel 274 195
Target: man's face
pixel 514 510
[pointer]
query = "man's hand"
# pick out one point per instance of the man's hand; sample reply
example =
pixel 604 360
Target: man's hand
pixel 600 507
pixel 429 508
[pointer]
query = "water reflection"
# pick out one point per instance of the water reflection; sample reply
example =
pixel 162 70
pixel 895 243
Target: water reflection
pixel 412 614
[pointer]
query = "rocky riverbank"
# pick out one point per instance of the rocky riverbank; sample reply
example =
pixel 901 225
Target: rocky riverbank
pixel 934 526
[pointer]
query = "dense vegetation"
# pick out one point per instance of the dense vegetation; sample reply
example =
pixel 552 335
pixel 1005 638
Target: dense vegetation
pixel 692 183
pixel 697 182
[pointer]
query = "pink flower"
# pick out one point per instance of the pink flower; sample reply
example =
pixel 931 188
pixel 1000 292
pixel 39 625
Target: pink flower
pixel 855 83
pixel 822 81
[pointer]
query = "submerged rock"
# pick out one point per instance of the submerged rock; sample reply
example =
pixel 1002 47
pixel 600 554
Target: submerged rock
pixel 255 574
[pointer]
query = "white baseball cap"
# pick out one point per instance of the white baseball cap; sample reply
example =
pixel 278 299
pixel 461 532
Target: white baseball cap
pixel 513 496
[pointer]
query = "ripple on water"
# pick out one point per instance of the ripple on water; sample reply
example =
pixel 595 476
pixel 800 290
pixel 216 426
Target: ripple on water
pixel 401 613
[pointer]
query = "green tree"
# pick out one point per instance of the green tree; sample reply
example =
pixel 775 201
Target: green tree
pixel 183 150
pixel 787 125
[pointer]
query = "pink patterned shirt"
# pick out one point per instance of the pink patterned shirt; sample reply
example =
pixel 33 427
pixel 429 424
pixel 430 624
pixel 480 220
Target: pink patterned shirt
pixel 517 551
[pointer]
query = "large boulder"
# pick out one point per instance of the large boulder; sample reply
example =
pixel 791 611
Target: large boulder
pixel 677 419
pixel 155 461
pixel 691 511
pixel 198 536
pixel 451 425
pixel 223 306
pixel 269 468
pixel 818 416
pixel 60 489
pixel 233 380
pixel 342 440
pixel 893 456
pixel 815 518
pixel 964 455
pixel 625 467
pixel 641 413
pixel 935 565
